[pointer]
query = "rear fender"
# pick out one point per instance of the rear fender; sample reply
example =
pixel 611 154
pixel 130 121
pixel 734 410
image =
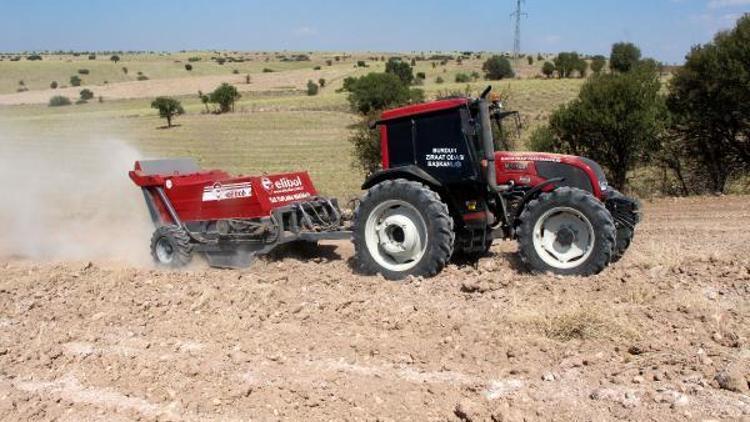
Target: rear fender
pixel 412 173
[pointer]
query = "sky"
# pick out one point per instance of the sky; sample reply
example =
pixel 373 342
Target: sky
pixel 664 29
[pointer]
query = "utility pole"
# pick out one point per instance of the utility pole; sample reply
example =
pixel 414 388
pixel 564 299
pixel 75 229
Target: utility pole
pixel 517 41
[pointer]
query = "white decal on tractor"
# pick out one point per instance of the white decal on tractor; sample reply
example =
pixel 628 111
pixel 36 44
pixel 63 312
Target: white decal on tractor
pixel 219 192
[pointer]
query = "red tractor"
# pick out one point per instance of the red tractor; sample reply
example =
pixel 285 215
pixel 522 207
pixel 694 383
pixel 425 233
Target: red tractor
pixel 443 191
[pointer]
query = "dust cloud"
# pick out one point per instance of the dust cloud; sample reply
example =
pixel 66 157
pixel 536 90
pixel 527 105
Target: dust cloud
pixel 71 201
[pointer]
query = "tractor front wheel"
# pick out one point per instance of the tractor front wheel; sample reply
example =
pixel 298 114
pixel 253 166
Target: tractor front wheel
pixel 170 247
pixel 402 228
pixel 566 231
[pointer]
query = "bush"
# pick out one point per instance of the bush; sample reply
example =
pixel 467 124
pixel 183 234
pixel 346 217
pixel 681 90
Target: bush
pixel 366 146
pixel 312 88
pixel 329 62
pixel 142 77
pixel 83 71
pixel 361 63
pixel 81 101
pixel 462 78
pixel 548 69
pixel 188 67
pixel 125 70
pixel 225 96
pixel 75 80
pixel 235 72
pixel 316 68
pixel 542 139
pixel 624 57
pixel 34 57
pixel 497 67
pixel 421 75
pixel 378 91
pixel 439 80
pixel 92 56
pixel 59 100
pixel 194 59
pixel 221 60
pixel 400 69
pixel 616 120
pixel 53 85
pixel 530 60
pixel 710 105
pixel 168 108
pixel 267 70
pixel 86 94
pixel 322 82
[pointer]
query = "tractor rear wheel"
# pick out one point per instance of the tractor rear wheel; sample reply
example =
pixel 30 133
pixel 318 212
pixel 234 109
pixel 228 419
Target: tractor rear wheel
pixel 170 247
pixel 402 228
pixel 566 231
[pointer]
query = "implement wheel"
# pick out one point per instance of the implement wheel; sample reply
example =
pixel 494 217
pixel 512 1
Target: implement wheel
pixel 170 247
pixel 402 228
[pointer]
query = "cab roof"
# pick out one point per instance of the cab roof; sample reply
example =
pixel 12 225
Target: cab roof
pixel 422 108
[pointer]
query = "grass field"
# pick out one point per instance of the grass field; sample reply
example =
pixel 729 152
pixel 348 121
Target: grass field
pixel 272 130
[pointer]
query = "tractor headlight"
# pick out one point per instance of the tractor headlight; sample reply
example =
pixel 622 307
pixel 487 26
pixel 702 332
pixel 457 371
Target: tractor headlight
pixel 603 185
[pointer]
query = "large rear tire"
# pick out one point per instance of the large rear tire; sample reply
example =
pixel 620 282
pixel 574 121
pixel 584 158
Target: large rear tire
pixel 566 231
pixel 402 228
pixel 170 247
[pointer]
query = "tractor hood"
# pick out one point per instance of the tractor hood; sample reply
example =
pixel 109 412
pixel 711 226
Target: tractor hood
pixel 532 168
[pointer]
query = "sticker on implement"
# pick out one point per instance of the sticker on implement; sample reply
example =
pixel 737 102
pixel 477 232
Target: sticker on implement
pixel 219 192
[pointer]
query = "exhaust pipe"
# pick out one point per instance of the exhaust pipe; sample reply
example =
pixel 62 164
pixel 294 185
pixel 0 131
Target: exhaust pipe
pixel 488 142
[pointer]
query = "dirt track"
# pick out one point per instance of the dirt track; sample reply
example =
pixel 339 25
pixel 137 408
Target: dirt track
pixel 303 338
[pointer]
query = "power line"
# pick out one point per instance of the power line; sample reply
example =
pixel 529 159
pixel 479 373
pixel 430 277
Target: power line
pixel 517 41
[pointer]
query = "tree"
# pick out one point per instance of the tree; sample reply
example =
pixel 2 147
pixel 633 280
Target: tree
pixel 616 120
pixel 75 80
pixel 378 91
pixel 115 58
pixel 369 95
pixel 400 69
pixel 312 88
pixel 710 105
pixel 582 67
pixel 168 108
pixel 624 57
pixel 86 94
pixel 497 67
pixel 548 69
pixel 568 62
pixel 598 63
pixel 530 60
pixel 225 96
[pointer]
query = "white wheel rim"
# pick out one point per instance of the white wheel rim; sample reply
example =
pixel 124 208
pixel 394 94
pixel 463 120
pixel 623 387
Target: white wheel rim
pixel 563 238
pixel 164 251
pixel 396 235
